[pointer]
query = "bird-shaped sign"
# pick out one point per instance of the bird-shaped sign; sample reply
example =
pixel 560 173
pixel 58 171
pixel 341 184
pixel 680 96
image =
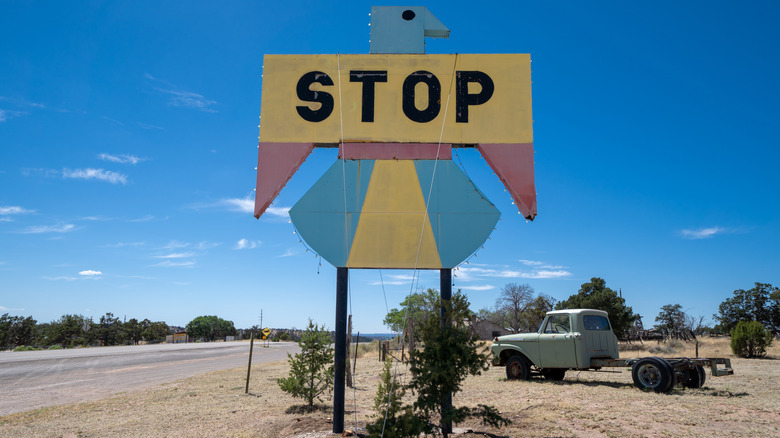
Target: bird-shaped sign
pixel 395 199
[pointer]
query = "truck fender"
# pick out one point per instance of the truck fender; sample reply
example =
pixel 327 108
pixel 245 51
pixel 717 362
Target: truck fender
pixel 513 350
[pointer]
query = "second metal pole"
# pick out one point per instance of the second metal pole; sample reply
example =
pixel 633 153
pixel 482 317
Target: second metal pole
pixel 445 286
pixel 340 360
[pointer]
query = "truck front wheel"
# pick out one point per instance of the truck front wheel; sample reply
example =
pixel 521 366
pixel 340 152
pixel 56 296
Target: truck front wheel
pixel 517 368
pixel 653 373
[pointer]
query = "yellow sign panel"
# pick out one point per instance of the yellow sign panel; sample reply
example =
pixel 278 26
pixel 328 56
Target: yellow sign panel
pixel 458 99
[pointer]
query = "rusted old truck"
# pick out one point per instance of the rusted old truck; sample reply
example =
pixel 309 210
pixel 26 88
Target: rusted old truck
pixel 582 339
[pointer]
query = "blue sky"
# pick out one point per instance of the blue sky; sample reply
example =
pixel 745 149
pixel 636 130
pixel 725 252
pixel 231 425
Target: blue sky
pixel 128 142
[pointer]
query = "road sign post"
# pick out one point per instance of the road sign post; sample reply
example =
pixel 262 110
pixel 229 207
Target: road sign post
pixel 249 366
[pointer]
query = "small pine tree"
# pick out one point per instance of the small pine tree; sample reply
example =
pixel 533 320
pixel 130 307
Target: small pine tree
pixel 393 420
pixel 750 339
pixel 450 355
pixel 311 370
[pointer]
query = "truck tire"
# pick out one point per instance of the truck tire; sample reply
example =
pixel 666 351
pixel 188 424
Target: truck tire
pixel 517 368
pixel 672 374
pixel 694 378
pixel 555 374
pixel 653 374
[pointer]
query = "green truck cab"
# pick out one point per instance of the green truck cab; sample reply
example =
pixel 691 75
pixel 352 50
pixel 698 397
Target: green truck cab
pixel 566 340
pixel 582 339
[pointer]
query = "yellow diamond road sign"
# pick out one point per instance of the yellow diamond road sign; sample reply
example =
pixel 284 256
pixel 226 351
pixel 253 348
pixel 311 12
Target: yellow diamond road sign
pixel 266 331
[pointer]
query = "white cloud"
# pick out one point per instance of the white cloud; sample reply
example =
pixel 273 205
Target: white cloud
pixel 277 211
pixel 703 233
pixel 170 264
pixel 242 205
pixel 39 229
pixel 186 99
pixel 203 246
pixel 477 288
pixel 389 283
pixel 247 205
pixel 173 244
pixel 147 218
pixel 289 253
pixel 247 244
pixel 45 173
pixel 90 273
pixel 12 309
pixel 539 265
pixel 547 274
pixel 122 159
pixel 12 209
pixel 189 99
pixel 405 277
pixel 148 126
pixel 8 114
pixel 62 278
pixel 395 280
pixel 98 174
pixel 123 244
pixel 116 122
pixel 176 255
pixel 539 270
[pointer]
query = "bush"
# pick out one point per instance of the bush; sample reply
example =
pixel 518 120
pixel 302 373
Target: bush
pixel 311 370
pixel 26 348
pixel 393 420
pixel 750 339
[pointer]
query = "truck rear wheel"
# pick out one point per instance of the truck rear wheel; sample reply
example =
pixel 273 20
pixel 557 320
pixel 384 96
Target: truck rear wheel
pixel 555 374
pixel 517 368
pixel 653 374
pixel 694 378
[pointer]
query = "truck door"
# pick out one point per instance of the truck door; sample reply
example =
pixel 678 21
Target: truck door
pixel 556 343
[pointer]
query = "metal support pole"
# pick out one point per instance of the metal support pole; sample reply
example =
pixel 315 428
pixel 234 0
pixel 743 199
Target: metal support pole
pixel 249 366
pixel 340 359
pixel 445 283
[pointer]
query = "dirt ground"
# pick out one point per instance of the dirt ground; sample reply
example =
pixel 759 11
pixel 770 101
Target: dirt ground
pixel 585 404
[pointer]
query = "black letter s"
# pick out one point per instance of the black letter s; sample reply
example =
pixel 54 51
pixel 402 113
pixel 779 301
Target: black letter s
pixel 307 95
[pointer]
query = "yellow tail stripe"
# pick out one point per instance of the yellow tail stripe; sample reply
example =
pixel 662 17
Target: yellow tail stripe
pixel 388 232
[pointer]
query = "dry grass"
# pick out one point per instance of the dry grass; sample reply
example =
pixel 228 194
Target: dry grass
pixel 585 404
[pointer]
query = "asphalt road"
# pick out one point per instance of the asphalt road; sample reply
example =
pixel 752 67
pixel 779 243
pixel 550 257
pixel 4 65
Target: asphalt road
pixel 34 379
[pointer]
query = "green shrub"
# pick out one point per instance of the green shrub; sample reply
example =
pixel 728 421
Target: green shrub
pixel 55 347
pixel 393 420
pixel 750 339
pixel 311 370
pixel 26 348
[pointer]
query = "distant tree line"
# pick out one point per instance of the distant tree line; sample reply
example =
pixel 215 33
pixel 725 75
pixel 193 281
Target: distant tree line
pixel 78 330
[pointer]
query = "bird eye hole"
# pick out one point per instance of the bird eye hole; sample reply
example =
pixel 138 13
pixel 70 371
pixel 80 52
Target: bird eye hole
pixel 408 15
